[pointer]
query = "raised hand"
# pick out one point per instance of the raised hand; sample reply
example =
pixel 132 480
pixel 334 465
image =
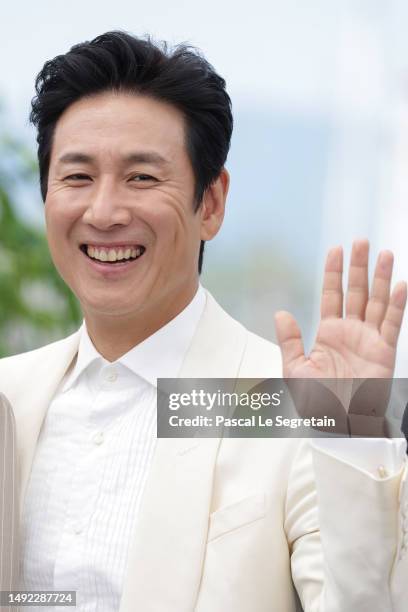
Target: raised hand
pixel 361 344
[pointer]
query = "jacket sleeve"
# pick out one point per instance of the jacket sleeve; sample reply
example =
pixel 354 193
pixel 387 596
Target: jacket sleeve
pixel 347 535
pixel 8 500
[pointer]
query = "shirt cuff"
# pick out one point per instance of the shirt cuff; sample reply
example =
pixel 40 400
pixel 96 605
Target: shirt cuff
pixel 379 457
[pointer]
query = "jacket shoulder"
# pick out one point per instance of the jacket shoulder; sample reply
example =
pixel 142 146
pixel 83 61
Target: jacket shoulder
pixel 261 359
pixel 256 357
pixel 35 355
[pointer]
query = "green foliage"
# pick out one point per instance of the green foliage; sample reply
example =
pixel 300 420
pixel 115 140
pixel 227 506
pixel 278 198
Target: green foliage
pixel 35 304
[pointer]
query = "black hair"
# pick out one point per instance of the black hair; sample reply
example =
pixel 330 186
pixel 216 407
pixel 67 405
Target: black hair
pixel 118 61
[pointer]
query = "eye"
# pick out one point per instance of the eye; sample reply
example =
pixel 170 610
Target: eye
pixel 142 178
pixel 77 177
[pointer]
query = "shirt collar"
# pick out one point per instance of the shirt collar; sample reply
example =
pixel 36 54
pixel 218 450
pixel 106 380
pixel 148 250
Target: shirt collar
pixel 159 356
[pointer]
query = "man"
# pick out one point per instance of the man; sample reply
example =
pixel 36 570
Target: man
pixel 132 142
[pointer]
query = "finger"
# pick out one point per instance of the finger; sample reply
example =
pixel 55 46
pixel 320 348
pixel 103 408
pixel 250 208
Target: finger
pixel 380 291
pixel 332 293
pixel 357 289
pixel 391 325
pixel 289 337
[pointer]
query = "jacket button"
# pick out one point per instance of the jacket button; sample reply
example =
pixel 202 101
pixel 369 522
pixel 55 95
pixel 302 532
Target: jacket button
pixel 98 438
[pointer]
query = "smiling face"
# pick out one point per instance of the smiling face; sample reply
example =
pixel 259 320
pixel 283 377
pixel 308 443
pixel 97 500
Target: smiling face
pixel 121 187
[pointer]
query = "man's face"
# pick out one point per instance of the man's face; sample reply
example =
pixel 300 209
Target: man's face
pixel 121 185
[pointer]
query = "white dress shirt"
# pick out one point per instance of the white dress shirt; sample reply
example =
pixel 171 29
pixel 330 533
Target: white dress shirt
pixel 91 465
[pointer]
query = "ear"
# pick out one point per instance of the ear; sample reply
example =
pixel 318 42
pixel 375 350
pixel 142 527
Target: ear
pixel 212 207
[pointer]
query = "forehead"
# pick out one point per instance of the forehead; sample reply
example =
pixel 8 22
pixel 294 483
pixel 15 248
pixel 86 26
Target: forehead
pixel 114 123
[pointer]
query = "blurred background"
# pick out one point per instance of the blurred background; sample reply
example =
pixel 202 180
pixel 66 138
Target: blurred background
pixel 319 153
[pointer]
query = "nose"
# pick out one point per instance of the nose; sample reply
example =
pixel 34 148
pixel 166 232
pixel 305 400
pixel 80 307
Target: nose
pixel 106 208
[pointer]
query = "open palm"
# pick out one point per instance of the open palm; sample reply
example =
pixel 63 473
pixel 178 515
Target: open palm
pixel 361 344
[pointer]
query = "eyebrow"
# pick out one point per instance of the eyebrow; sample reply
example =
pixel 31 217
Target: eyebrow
pixel 136 157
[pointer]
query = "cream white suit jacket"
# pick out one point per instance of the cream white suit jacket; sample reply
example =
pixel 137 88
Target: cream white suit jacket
pixel 8 501
pixel 230 525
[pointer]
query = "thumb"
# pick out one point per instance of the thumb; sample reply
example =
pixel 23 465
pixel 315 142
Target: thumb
pixel 289 337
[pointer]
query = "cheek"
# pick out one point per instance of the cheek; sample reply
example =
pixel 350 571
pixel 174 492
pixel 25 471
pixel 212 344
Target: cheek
pixel 58 224
pixel 177 239
pixel 60 214
pixel 173 220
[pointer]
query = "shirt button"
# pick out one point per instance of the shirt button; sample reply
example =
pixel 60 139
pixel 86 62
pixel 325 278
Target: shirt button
pixel 98 438
pixel 382 472
pixel 111 375
pixel 77 530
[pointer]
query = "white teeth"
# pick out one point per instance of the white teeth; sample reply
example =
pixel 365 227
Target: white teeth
pixel 112 255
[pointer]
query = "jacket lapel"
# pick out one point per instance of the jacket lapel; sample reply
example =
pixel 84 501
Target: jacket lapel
pixel 42 372
pixel 167 552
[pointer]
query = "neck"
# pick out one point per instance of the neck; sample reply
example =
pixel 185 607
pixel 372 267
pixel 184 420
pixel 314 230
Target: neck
pixel 113 335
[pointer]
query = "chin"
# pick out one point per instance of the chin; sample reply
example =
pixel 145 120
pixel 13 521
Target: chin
pixel 113 308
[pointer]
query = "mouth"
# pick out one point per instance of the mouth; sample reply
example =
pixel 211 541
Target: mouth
pixel 117 256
